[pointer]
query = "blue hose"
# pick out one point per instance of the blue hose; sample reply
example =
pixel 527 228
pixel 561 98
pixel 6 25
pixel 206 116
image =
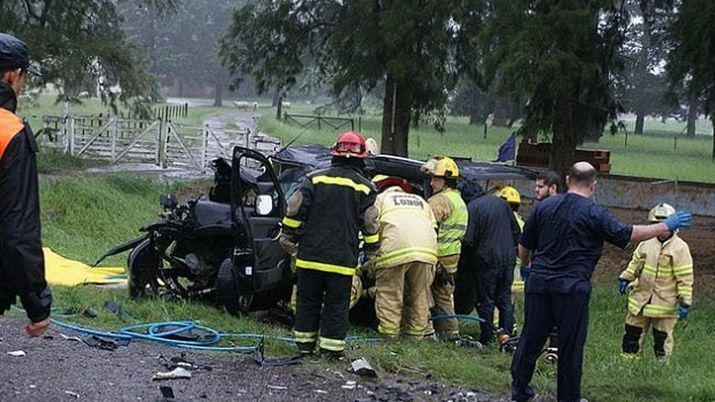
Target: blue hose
pixel 459 317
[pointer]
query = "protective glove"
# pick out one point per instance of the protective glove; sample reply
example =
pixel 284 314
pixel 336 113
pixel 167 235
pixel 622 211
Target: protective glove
pixel 623 286
pixel 683 311
pixel 443 277
pixel 680 219
pixel 524 271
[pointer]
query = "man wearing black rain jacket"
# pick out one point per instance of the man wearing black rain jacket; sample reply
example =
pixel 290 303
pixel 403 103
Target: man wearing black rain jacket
pixel 22 265
pixel 486 267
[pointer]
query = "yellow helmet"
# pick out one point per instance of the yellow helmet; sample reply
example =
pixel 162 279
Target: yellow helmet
pixel 441 167
pixel 510 194
pixel 660 212
pixel 379 177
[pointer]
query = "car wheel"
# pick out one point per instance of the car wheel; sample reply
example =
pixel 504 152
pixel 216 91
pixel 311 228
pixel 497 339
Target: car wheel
pixel 142 265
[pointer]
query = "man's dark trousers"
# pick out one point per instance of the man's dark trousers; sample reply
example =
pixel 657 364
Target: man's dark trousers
pixel 323 304
pixel 569 312
pixel 494 290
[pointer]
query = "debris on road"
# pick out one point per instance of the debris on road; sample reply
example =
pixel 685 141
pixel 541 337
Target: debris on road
pixel 72 394
pixel 17 353
pixel 177 373
pixel 260 359
pixel 104 344
pixel 70 338
pixel 167 392
pixel 183 362
pixel 363 368
pixel 349 385
pixel 276 387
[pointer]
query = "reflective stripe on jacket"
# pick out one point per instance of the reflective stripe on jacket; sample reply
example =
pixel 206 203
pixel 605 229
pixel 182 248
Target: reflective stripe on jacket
pixel 407 229
pixel 451 214
pixel 661 275
pixel 325 216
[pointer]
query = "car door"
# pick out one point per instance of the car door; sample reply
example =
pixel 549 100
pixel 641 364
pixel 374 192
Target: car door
pixel 262 265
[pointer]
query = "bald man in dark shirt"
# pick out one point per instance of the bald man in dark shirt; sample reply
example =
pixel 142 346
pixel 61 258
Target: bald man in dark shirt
pixel 560 246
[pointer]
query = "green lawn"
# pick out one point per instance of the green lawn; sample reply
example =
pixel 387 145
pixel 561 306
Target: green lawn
pixel 650 155
pixel 82 217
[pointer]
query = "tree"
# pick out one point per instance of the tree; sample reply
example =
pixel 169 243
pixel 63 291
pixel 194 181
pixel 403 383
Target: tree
pixel 414 49
pixel 559 54
pixel 184 47
pixel 642 84
pixel 692 53
pixel 472 101
pixel 81 42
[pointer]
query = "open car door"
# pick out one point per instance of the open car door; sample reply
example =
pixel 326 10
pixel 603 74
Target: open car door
pixel 262 267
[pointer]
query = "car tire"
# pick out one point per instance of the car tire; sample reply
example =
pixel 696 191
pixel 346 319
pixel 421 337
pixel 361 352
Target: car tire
pixel 142 265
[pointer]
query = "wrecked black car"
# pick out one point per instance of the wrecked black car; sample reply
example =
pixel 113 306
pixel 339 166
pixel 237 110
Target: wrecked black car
pixel 223 247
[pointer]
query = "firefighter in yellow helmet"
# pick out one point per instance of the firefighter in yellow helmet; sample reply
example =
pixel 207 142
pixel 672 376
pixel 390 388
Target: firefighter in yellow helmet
pixel 659 283
pixel 404 268
pixel 513 198
pixel 451 215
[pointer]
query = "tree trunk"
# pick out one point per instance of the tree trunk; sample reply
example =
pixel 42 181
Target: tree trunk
pixel 712 121
pixel 501 112
pixel 640 122
pixel 396 114
pixel 416 119
pixel 218 95
pixel 279 107
pixel 563 145
pixel 276 96
pixel 692 116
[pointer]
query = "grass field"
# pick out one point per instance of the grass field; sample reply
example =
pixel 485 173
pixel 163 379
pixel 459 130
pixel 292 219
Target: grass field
pixel 83 217
pixel 649 155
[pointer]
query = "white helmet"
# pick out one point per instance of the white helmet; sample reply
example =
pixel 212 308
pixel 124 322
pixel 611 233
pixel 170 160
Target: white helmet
pixel 660 212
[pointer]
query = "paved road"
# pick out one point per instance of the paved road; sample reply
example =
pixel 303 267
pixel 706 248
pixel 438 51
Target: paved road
pixel 59 369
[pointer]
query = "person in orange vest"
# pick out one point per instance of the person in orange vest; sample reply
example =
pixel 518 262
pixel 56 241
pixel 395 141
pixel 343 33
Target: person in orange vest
pixel 22 264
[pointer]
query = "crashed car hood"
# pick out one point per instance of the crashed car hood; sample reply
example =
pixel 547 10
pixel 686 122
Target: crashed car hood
pixel 317 157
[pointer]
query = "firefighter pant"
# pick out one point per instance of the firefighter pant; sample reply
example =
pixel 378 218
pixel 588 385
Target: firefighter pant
pixel 443 304
pixel 569 312
pixel 355 293
pixel 636 328
pixel 323 303
pixel 403 299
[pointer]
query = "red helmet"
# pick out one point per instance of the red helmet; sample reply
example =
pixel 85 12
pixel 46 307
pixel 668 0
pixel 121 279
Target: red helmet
pixel 349 145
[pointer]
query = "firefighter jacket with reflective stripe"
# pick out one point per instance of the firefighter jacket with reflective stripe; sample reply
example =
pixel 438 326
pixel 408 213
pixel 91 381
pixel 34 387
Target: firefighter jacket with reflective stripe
pixel 325 217
pixel 661 275
pixel 407 229
pixel 22 264
pixel 451 214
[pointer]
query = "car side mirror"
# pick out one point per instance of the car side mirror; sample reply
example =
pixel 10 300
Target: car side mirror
pixel 264 204
pixel 168 201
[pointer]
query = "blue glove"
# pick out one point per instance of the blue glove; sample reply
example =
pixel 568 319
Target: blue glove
pixel 683 312
pixel 680 219
pixel 524 271
pixel 623 286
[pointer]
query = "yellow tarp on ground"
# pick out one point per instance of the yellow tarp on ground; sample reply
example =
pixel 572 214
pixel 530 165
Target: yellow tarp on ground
pixel 62 271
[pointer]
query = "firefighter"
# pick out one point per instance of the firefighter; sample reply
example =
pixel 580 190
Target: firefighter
pixel 22 264
pixel 659 283
pixel 486 268
pixel 451 215
pixel 404 268
pixel 322 225
pixel 513 198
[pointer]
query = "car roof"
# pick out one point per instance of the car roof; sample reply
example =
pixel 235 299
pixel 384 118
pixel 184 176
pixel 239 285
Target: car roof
pixel 317 157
